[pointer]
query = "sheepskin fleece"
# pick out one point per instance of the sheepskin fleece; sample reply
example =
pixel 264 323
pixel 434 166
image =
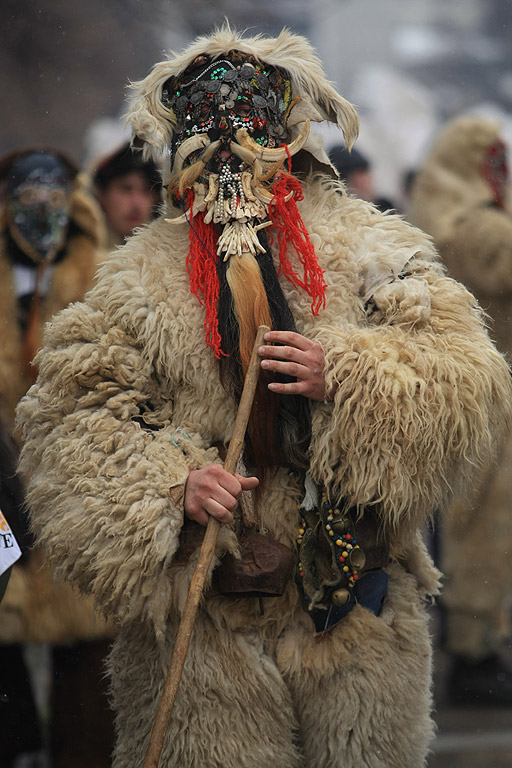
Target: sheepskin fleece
pixel 421 398
pixel 452 201
pixel 316 99
pixel 35 608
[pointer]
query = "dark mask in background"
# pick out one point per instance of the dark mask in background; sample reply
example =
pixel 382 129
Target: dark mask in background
pixel 38 194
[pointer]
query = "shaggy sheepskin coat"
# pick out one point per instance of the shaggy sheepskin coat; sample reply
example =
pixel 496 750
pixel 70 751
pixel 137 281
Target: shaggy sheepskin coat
pixel 35 608
pixel 420 393
pixel 453 202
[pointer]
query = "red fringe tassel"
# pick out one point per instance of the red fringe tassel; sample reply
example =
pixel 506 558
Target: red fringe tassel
pixel 202 271
pixel 292 230
pixel 285 216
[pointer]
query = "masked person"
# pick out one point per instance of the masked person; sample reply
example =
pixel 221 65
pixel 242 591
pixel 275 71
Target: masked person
pixel 50 232
pixel 379 388
pixel 461 198
pixel 128 189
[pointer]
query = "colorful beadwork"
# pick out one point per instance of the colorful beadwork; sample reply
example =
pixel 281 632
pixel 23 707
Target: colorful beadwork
pixel 337 528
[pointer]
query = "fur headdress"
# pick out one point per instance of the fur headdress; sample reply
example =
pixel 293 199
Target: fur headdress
pixel 153 124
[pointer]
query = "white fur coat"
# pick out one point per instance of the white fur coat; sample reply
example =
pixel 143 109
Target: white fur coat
pixel 421 396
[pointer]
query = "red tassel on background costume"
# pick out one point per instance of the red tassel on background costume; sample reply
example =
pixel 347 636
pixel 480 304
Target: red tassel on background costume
pixel 202 271
pixel 291 229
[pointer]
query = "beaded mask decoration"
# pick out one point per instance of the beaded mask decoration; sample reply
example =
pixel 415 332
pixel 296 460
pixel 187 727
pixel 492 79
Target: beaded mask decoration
pixel 228 154
pixel 228 114
pixel 38 204
pixel 217 98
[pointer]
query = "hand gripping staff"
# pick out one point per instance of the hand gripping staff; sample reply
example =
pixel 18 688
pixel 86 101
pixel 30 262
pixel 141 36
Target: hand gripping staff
pixel 203 566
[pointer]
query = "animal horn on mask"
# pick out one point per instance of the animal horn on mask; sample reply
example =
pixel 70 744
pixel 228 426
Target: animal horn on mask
pixel 269 153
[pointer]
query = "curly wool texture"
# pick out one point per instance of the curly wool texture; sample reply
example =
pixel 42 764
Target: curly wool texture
pixel 98 446
pixel 99 486
pixel 414 408
pixel 414 402
pixel 412 413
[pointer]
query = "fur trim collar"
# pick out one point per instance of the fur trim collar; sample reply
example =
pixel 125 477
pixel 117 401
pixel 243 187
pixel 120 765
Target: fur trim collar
pixel 153 123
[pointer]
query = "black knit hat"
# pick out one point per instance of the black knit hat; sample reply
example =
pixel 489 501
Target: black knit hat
pixel 347 162
pixel 126 160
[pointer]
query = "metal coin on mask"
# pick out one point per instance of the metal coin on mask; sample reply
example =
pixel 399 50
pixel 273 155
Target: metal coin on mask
pixel 38 193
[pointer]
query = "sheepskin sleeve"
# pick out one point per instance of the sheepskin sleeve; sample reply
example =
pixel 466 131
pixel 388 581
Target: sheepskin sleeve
pixel 82 439
pixel 478 252
pixel 420 398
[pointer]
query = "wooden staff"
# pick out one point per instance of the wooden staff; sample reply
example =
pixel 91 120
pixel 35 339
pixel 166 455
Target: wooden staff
pixel 202 568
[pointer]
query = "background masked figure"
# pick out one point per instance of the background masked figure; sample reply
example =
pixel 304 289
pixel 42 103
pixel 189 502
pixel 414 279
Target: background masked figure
pixel 379 389
pixel 50 231
pixel 461 198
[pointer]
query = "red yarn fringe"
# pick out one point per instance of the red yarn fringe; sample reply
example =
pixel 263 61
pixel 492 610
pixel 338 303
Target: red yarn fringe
pixel 292 230
pixel 202 272
pixel 285 216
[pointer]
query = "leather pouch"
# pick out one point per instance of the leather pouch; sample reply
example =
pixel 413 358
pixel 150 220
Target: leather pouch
pixel 265 568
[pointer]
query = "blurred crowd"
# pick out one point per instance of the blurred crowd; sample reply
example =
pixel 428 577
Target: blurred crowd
pixel 58 223
pixel 460 195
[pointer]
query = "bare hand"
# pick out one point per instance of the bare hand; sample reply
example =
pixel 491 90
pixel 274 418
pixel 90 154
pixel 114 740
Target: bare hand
pixel 213 491
pixel 300 358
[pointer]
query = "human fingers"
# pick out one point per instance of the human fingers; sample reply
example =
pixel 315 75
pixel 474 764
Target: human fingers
pixel 291 338
pixel 199 516
pixel 206 490
pixel 291 369
pixel 248 483
pixel 307 377
pixel 219 511
pixel 314 389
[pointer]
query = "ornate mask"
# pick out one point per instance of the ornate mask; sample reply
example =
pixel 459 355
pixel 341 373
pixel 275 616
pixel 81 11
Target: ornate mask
pixel 216 98
pixel 230 114
pixel 38 204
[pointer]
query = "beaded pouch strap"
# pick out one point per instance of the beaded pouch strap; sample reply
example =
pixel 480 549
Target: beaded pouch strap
pixel 330 557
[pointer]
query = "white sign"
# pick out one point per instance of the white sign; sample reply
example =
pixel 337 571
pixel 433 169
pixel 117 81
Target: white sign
pixel 9 548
